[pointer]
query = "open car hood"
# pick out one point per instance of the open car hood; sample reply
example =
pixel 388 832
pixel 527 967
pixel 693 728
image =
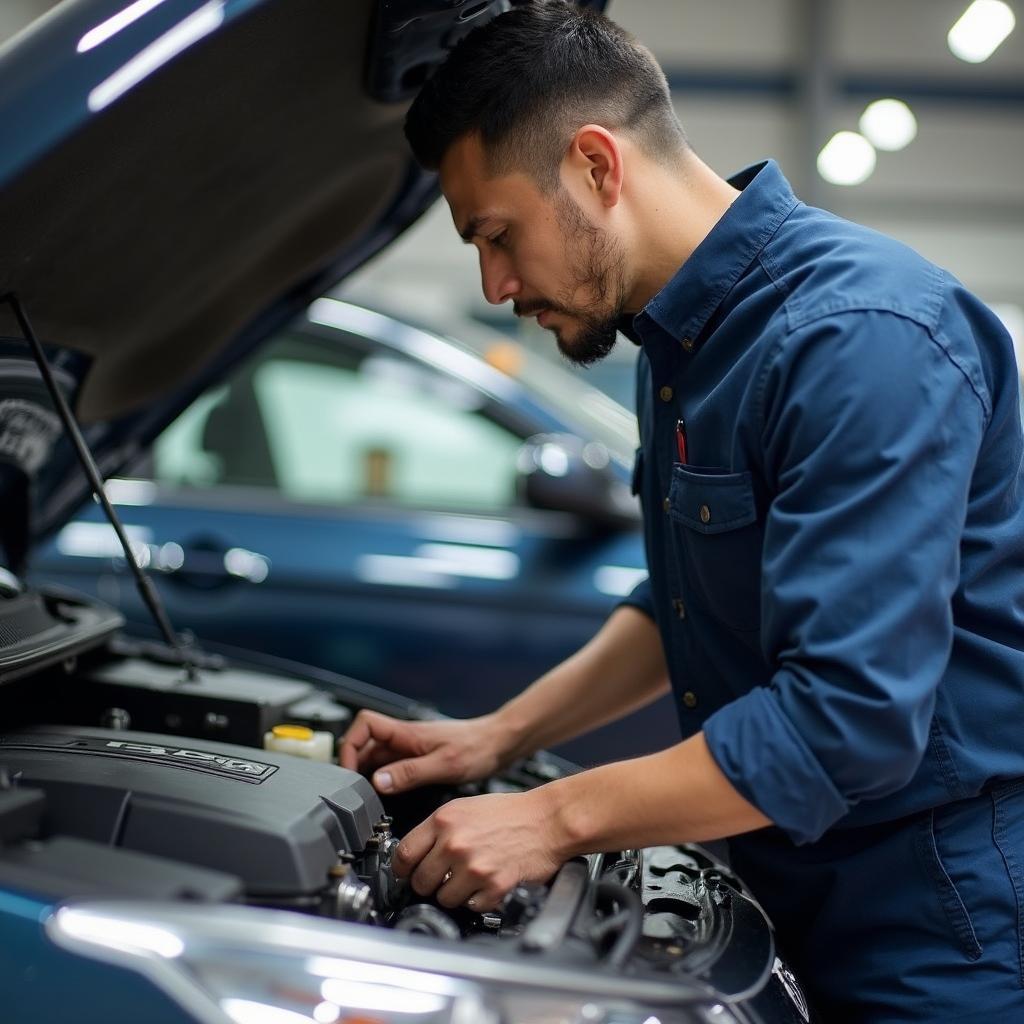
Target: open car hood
pixel 178 178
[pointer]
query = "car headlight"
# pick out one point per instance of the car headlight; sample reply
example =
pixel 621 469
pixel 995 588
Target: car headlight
pixel 243 965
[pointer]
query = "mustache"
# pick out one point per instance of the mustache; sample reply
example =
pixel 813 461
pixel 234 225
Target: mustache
pixel 533 307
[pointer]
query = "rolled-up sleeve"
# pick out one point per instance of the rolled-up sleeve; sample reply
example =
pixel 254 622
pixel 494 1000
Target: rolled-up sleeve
pixel 870 434
pixel 640 597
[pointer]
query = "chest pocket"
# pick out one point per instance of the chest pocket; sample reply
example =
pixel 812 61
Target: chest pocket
pixel 718 541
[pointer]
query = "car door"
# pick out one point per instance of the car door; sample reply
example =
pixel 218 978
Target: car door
pixel 342 503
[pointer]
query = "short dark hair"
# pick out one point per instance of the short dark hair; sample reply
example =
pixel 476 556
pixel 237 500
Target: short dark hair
pixel 527 80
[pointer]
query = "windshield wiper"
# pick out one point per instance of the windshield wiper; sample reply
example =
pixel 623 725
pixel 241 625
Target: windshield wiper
pixel 147 591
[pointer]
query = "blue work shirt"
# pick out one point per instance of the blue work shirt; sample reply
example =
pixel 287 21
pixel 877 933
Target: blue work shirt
pixel 837 571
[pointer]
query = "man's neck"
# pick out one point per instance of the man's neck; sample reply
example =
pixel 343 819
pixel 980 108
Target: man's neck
pixel 676 210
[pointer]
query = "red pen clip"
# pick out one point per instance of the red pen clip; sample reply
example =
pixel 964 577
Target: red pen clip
pixel 681 442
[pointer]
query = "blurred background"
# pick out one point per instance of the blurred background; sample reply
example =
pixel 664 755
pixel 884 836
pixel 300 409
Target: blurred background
pixel 449 518
pixel 780 78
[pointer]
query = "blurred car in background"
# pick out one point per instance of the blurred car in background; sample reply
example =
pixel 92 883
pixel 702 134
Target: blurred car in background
pixel 373 498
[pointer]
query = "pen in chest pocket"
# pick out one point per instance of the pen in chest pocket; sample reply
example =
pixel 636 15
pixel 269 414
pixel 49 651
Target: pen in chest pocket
pixel 681 442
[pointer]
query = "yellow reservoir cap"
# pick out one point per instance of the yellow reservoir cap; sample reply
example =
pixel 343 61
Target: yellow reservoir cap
pixel 292 732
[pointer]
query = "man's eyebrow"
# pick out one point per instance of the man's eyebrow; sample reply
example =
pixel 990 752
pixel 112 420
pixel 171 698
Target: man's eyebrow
pixel 473 226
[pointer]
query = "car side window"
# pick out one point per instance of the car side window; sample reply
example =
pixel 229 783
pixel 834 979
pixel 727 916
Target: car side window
pixel 331 422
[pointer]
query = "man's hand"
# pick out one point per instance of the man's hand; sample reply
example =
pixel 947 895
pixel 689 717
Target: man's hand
pixel 473 851
pixel 620 670
pixel 404 755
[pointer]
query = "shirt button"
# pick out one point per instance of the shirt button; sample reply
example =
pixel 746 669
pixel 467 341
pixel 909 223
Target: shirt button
pixel 705 514
pixel 666 504
pixel 679 607
pixel 690 699
pixel 665 394
pixel 687 344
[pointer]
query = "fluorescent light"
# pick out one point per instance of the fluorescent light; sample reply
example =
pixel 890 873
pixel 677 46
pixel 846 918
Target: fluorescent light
pixel 102 32
pixel 198 24
pixel 846 159
pixel 889 124
pixel 980 30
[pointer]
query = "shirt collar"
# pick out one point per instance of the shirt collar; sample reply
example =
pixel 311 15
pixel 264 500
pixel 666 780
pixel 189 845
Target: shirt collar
pixel 685 304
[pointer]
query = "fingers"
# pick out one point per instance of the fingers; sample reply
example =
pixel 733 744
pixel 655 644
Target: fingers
pixel 399 776
pixel 413 848
pixel 439 765
pixel 376 757
pixel 367 730
pixel 453 880
pixel 431 874
pixel 485 899
pixel 374 741
pixel 353 742
pixel 465 884
pixel 442 861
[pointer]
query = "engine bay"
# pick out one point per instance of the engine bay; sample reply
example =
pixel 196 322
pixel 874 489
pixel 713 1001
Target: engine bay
pixel 122 776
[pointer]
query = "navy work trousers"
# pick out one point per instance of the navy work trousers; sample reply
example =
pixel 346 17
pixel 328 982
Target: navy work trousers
pixel 920 919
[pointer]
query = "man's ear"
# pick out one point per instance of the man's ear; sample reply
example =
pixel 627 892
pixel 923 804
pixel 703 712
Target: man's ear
pixel 595 157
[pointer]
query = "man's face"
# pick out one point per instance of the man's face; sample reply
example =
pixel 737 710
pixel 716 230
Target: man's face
pixel 540 251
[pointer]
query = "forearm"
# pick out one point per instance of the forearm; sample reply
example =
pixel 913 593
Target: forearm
pixel 621 669
pixel 677 795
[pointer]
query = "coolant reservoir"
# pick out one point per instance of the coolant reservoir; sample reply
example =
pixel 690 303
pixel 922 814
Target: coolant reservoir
pixel 300 741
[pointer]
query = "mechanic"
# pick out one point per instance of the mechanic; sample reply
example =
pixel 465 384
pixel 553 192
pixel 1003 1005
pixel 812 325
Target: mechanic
pixel 831 482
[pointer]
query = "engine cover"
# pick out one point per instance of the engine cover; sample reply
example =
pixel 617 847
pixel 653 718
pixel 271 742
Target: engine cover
pixel 276 821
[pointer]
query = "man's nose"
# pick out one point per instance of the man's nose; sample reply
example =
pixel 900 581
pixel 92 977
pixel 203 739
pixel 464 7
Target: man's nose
pixel 498 280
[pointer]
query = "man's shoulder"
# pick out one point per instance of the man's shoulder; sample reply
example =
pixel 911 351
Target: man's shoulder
pixel 854 293
pixel 827 266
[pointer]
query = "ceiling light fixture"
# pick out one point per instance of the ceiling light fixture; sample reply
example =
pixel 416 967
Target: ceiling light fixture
pixel 980 30
pixel 888 124
pixel 846 159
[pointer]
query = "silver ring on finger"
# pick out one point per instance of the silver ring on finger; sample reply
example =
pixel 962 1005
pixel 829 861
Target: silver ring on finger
pixel 447 877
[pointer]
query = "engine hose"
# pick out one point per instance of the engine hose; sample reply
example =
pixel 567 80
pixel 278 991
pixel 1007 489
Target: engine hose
pixel 629 919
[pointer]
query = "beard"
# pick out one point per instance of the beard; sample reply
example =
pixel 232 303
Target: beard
pixel 595 262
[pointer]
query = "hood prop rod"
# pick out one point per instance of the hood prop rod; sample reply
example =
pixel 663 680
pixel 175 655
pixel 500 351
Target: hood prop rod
pixel 147 591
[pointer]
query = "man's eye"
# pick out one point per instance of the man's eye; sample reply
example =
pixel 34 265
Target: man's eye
pixel 500 239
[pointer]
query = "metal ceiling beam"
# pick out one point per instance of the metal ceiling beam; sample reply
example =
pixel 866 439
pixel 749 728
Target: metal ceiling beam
pixel 785 85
